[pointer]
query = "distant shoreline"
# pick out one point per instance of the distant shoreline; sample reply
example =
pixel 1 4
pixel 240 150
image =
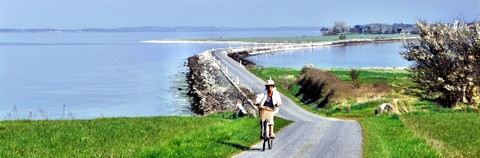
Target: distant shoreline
pixel 233 41
pixel 271 47
pixel 155 29
pixel 197 42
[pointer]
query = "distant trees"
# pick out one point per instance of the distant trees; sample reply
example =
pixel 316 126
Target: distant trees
pixel 341 26
pixel 338 27
pixel 373 28
pixel 446 61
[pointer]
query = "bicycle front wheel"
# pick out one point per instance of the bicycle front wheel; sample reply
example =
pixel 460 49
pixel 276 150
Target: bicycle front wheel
pixel 265 135
pixel 270 143
pixel 265 142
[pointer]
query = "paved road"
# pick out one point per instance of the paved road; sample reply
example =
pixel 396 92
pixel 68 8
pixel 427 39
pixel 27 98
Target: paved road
pixel 309 136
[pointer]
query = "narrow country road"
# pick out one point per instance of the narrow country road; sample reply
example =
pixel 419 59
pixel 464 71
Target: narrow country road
pixel 309 136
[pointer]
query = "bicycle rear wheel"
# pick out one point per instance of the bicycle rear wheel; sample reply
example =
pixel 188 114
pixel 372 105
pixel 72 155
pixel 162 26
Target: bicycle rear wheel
pixel 264 142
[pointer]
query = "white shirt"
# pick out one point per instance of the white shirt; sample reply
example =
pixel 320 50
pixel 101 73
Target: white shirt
pixel 261 98
pixel 240 106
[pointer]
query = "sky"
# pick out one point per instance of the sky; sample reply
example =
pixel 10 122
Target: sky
pixel 76 14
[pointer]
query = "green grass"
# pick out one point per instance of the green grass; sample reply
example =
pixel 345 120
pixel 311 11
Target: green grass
pixel 397 77
pixel 453 134
pixel 165 136
pixel 305 39
pixel 387 136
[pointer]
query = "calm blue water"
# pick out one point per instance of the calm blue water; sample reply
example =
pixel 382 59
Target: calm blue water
pixel 99 74
pixel 356 56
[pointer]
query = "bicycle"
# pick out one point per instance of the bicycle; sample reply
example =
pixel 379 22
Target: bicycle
pixel 265 114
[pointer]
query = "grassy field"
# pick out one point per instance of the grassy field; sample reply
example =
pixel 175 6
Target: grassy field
pixel 306 38
pixel 165 136
pixel 423 132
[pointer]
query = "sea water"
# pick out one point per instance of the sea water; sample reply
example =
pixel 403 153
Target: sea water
pixel 91 75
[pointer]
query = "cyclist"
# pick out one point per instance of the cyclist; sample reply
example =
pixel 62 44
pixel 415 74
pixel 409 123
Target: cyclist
pixel 270 98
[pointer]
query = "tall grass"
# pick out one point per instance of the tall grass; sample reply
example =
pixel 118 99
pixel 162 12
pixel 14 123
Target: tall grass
pixel 169 136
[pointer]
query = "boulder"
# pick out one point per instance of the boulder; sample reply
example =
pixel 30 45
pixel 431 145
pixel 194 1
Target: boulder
pixel 385 107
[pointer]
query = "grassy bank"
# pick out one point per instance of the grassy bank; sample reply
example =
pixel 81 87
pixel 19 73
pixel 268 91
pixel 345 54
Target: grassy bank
pixel 387 136
pixel 169 136
pixel 422 132
pixel 301 39
pixel 453 134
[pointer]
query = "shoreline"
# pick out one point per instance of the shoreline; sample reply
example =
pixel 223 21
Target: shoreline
pixel 240 54
pixel 360 68
pixel 195 42
pixel 271 47
pixel 212 89
pixel 346 41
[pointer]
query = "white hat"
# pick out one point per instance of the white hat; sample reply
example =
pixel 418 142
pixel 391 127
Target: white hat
pixel 270 82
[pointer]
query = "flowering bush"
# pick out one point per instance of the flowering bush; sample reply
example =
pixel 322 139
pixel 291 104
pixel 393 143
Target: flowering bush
pixel 446 61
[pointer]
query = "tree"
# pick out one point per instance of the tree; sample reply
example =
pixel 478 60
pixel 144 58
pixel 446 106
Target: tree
pixel 359 28
pixel 446 61
pixel 340 27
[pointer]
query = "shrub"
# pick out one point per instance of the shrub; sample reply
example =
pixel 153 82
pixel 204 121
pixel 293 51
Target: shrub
pixel 354 75
pixel 447 61
pixel 320 87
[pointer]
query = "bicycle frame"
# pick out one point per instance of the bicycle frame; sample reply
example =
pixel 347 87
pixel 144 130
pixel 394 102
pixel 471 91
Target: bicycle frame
pixel 266 134
pixel 266 130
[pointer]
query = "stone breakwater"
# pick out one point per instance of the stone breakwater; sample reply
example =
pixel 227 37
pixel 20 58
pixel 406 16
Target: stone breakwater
pixel 211 89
